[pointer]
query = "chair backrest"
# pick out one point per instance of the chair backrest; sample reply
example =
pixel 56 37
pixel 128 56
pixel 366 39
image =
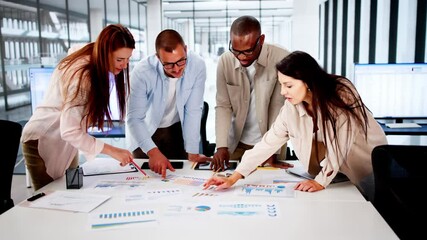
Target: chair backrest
pixel 208 148
pixel 9 145
pixel 204 119
pixel 400 173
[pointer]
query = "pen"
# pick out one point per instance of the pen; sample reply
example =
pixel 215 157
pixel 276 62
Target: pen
pixel 215 172
pixel 35 197
pixel 194 165
pixel 137 167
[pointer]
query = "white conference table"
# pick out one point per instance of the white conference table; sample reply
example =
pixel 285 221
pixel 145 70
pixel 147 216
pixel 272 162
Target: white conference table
pixel 338 212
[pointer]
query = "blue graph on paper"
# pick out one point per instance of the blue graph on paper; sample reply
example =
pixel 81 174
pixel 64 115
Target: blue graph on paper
pixel 121 217
pixel 266 190
pixel 269 210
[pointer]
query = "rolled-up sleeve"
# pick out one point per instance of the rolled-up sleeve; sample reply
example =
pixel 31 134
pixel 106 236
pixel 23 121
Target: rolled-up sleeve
pixel 137 127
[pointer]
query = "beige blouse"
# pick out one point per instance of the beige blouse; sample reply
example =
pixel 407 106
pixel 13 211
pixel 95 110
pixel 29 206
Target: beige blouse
pixel 294 123
pixel 59 127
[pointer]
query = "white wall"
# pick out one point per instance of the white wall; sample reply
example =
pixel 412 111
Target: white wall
pixel 154 24
pixel 305 27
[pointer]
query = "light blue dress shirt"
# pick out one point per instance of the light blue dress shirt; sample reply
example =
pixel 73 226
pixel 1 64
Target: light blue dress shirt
pixel 147 102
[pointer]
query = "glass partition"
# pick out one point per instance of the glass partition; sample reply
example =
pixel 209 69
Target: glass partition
pixel 20 49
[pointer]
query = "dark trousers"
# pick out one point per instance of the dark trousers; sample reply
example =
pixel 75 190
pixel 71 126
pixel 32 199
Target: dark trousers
pixel 240 150
pixel 169 141
pixel 35 164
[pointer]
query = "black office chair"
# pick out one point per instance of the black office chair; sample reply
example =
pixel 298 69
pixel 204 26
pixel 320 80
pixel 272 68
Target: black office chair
pixel 208 148
pixel 290 155
pixel 10 145
pixel 400 173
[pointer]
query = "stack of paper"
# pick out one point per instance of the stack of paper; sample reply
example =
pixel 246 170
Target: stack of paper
pixel 100 166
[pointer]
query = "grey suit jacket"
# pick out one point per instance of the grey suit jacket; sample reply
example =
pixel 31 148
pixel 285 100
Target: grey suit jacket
pixel 233 95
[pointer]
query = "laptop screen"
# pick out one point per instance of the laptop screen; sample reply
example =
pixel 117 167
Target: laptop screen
pixel 39 82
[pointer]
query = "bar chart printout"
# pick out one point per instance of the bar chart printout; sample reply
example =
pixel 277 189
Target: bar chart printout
pixel 121 218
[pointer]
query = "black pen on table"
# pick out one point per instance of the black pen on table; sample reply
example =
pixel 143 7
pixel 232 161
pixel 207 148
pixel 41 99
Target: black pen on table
pixel 35 197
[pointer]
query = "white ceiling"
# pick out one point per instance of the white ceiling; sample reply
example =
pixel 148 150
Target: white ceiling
pixel 212 13
pixel 216 13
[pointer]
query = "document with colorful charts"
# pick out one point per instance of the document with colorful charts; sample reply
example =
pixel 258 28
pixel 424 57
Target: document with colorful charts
pixel 267 190
pixel 232 209
pixel 185 180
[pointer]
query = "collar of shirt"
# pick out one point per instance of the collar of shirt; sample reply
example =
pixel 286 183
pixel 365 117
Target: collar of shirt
pixel 301 109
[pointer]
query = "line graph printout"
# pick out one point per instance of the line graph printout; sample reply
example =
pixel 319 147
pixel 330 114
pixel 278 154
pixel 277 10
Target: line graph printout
pixel 273 190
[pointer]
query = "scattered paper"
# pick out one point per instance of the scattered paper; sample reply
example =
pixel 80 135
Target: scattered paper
pixel 100 166
pixel 70 201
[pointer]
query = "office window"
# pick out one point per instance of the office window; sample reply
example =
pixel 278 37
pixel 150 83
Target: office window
pixel 79 21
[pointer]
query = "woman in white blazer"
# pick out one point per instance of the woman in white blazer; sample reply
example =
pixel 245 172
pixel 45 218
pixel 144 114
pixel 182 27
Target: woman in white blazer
pixel 78 98
pixel 328 124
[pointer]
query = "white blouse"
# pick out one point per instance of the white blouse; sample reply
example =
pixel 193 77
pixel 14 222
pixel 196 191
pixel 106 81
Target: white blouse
pixel 60 127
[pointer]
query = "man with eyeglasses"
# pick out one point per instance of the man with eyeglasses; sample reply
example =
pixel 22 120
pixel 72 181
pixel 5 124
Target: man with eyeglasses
pixel 165 104
pixel 248 96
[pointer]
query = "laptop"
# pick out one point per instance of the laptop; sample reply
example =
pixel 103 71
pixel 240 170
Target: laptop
pixel 300 172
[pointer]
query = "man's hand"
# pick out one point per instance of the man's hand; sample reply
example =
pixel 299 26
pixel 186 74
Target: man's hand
pixel 220 159
pixel 273 162
pixel 158 162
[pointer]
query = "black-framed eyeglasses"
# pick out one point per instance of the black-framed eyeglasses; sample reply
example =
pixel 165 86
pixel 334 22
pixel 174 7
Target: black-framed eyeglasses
pixel 179 63
pixel 247 52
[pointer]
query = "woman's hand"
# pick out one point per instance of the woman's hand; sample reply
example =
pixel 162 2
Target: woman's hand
pixel 221 182
pixel 309 186
pixel 122 155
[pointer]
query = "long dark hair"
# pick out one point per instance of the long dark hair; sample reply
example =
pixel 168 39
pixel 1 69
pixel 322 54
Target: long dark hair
pixel 332 94
pixel 93 77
